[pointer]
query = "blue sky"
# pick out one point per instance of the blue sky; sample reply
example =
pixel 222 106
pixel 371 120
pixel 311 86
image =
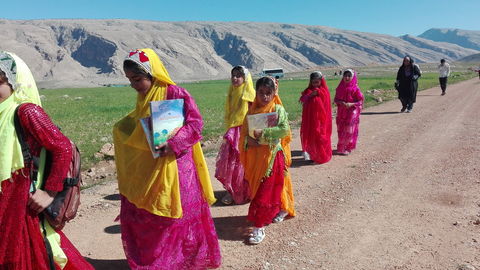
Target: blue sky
pixel 385 17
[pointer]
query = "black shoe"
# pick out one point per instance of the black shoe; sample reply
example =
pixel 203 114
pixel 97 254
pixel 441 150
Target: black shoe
pixel 443 93
pixel 403 108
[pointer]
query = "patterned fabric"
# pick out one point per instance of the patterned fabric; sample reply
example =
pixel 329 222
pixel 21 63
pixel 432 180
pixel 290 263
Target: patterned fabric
pixel 22 246
pixel 153 186
pixel 24 90
pixel 229 170
pixel 258 161
pixel 267 202
pixel 348 118
pixel 316 128
pixel 190 242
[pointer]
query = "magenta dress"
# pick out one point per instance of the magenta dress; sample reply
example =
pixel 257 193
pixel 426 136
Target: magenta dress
pixel 229 170
pixel 348 118
pixel 189 242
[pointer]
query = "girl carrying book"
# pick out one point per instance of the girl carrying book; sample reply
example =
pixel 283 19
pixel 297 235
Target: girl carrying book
pixel 266 158
pixel 316 128
pixel 349 100
pixel 22 228
pixel 165 217
pixel 229 170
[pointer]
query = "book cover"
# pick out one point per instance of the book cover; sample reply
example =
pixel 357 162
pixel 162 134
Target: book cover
pixel 147 128
pixel 166 117
pixel 261 121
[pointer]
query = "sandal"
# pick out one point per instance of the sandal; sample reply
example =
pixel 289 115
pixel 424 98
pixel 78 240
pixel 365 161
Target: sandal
pixel 257 236
pixel 280 217
pixel 227 199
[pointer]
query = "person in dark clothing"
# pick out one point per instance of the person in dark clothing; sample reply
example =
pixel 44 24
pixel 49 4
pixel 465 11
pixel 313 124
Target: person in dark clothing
pixel 407 84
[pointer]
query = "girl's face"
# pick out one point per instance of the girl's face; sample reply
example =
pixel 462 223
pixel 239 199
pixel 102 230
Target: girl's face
pixel 347 77
pixel 265 94
pixel 237 78
pixel 316 83
pixel 406 61
pixel 141 84
pixel 5 90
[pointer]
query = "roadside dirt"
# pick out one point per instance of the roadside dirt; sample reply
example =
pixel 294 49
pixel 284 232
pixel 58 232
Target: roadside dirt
pixel 407 198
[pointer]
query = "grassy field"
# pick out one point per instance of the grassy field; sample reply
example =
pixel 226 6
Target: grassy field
pixel 87 115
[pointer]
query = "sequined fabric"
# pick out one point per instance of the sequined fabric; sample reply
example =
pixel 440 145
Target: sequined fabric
pixel 189 242
pixel 21 245
pixel 229 170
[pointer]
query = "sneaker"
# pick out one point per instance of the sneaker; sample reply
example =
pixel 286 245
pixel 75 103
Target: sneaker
pixel 227 199
pixel 306 156
pixel 403 108
pixel 443 93
pixel 280 216
pixel 409 110
pixel 257 236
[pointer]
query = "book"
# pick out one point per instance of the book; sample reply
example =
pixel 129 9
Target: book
pixel 166 118
pixel 147 128
pixel 261 121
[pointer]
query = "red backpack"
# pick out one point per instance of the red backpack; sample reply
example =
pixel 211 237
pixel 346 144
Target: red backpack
pixel 65 204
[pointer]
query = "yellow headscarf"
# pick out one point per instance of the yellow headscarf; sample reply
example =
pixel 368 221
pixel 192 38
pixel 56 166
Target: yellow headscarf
pixel 238 97
pixel 256 160
pixel 151 184
pixel 24 90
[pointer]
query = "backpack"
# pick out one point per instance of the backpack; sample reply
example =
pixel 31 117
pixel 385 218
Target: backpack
pixel 65 204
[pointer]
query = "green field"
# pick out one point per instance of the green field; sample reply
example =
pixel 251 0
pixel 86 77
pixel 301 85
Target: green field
pixel 87 115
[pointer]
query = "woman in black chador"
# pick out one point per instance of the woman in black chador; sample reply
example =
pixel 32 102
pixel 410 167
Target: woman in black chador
pixel 407 84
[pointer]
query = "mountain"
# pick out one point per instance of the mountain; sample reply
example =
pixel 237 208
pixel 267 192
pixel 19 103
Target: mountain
pixel 465 38
pixel 471 58
pixel 74 53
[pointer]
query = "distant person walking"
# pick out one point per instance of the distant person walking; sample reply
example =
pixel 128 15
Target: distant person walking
pixel 165 217
pixel 407 84
pixel 444 72
pixel 316 128
pixel 229 170
pixel 349 100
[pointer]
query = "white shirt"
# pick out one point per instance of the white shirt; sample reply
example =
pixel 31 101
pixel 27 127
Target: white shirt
pixel 444 70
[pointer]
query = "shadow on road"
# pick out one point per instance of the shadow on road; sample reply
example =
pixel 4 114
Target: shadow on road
pixel 112 197
pixel 374 113
pixel 232 228
pixel 108 264
pixel 114 229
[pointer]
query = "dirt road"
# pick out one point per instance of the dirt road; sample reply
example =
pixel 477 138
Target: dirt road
pixel 407 198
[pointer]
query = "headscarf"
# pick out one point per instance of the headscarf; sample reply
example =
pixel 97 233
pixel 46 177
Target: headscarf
pixel 236 106
pixel 25 90
pixel 151 184
pixel 344 89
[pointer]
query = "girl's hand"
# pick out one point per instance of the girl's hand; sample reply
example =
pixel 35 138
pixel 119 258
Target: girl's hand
pixel 257 133
pixel 314 93
pixel 252 142
pixel 40 199
pixel 164 149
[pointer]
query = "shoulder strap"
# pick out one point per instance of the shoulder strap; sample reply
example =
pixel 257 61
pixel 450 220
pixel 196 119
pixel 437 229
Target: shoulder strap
pixel 20 135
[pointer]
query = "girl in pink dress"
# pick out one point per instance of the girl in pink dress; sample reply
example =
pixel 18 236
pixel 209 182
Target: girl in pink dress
pixel 165 215
pixel 349 100
pixel 229 170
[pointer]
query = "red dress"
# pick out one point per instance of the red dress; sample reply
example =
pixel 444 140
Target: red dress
pixel 21 244
pixel 316 128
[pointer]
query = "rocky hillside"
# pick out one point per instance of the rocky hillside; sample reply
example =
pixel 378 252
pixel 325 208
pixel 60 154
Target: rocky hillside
pixel 464 38
pixel 90 52
pixel 474 58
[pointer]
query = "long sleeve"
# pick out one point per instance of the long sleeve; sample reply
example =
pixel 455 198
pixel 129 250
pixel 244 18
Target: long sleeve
pixel 41 132
pixel 191 132
pixel 281 129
